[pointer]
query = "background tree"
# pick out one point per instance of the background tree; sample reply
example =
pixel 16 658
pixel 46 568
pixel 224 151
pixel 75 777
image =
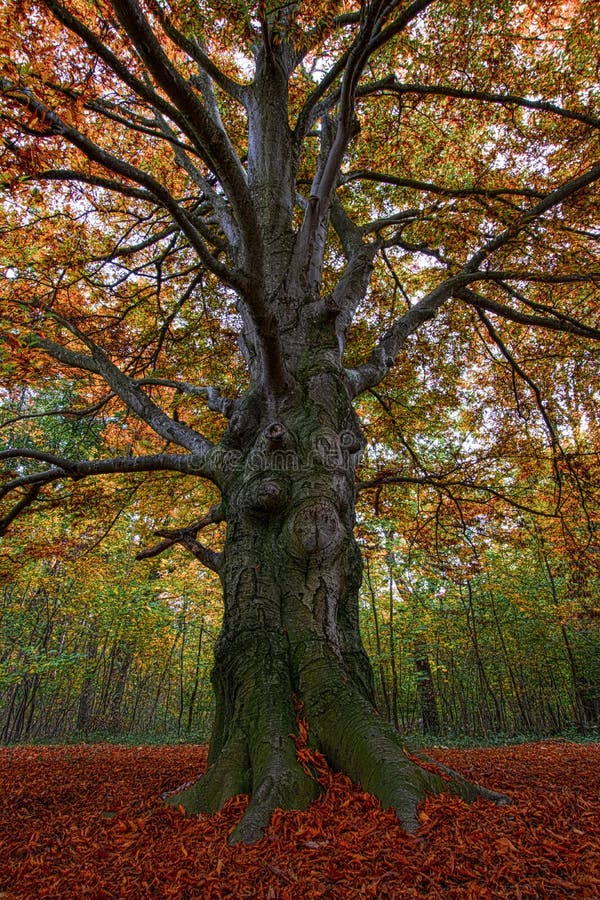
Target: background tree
pixel 199 196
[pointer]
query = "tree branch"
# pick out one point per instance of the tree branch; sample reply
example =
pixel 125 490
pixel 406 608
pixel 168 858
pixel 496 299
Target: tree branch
pixel 214 143
pixel 188 464
pixel 123 386
pixel 18 508
pixel 440 90
pixel 215 148
pixel 384 354
pixel 216 401
pixel 187 537
pixel 430 188
pixel 560 323
pixel 118 166
pixel 443 483
pixel 196 52
pixel 550 201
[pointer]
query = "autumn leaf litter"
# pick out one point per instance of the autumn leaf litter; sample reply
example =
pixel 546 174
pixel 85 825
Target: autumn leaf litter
pixel 88 822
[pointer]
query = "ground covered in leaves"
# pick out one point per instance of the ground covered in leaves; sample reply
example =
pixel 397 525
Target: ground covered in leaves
pixel 88 821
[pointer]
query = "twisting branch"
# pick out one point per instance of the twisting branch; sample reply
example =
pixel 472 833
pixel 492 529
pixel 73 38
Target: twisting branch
pixel 335 138
pixel 334 142
pixel 156 191
pixel 192 117
pixel 67 412
pixel 441 90
pixel 550 201
pixel 188 464
pixel 431 188
pixel 326 181
pixel 187 537
pixel 384 355
pixel 213 141
pixel 508 356
pixel 549 425
pixel 184 109
pixel 120 69
pixel 124 387
pixel 557 449
pixel 445 484
pixel 320 101
pixel 61 468
pixel 391 85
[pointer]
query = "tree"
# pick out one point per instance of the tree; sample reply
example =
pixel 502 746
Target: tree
pixel 283 197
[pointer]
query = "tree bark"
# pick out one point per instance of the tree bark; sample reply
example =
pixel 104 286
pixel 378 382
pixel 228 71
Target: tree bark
pixel 291 571
pixel 426 688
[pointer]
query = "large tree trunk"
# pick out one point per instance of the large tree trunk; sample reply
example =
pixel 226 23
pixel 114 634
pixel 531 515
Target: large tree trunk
pixel 291 572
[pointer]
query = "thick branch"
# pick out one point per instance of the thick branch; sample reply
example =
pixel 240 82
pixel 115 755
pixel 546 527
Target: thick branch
pixel 140 87
pixel 215 145
pixel 215 400
pixel 550 201
pixel 383 356
pixel 124 387
pixel 188 464
pixel 196 52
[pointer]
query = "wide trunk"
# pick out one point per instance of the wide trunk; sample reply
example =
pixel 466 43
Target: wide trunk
pixel 291 572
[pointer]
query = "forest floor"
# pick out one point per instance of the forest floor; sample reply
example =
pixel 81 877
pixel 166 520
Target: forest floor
pixel 87 821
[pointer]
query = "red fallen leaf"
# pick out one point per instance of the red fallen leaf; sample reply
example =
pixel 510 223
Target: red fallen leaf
pixel 55 844
pixel 505 846
pixel 563 883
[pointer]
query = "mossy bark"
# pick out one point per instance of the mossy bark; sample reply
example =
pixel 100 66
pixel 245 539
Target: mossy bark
pixel 291 572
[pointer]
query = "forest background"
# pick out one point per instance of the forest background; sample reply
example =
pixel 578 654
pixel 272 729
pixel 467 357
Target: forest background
pixel 479 614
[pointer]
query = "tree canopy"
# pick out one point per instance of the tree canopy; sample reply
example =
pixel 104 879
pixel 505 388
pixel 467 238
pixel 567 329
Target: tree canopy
pixel 451 148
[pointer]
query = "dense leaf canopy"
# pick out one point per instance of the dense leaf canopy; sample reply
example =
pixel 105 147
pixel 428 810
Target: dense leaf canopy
pixel 452 147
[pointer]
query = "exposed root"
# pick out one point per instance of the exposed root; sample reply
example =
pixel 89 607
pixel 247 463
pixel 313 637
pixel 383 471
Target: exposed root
pixel 229 776
pixel 265 756
pixel 271 774
pixel 356 740
pixel 289 789
pixel 467 790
